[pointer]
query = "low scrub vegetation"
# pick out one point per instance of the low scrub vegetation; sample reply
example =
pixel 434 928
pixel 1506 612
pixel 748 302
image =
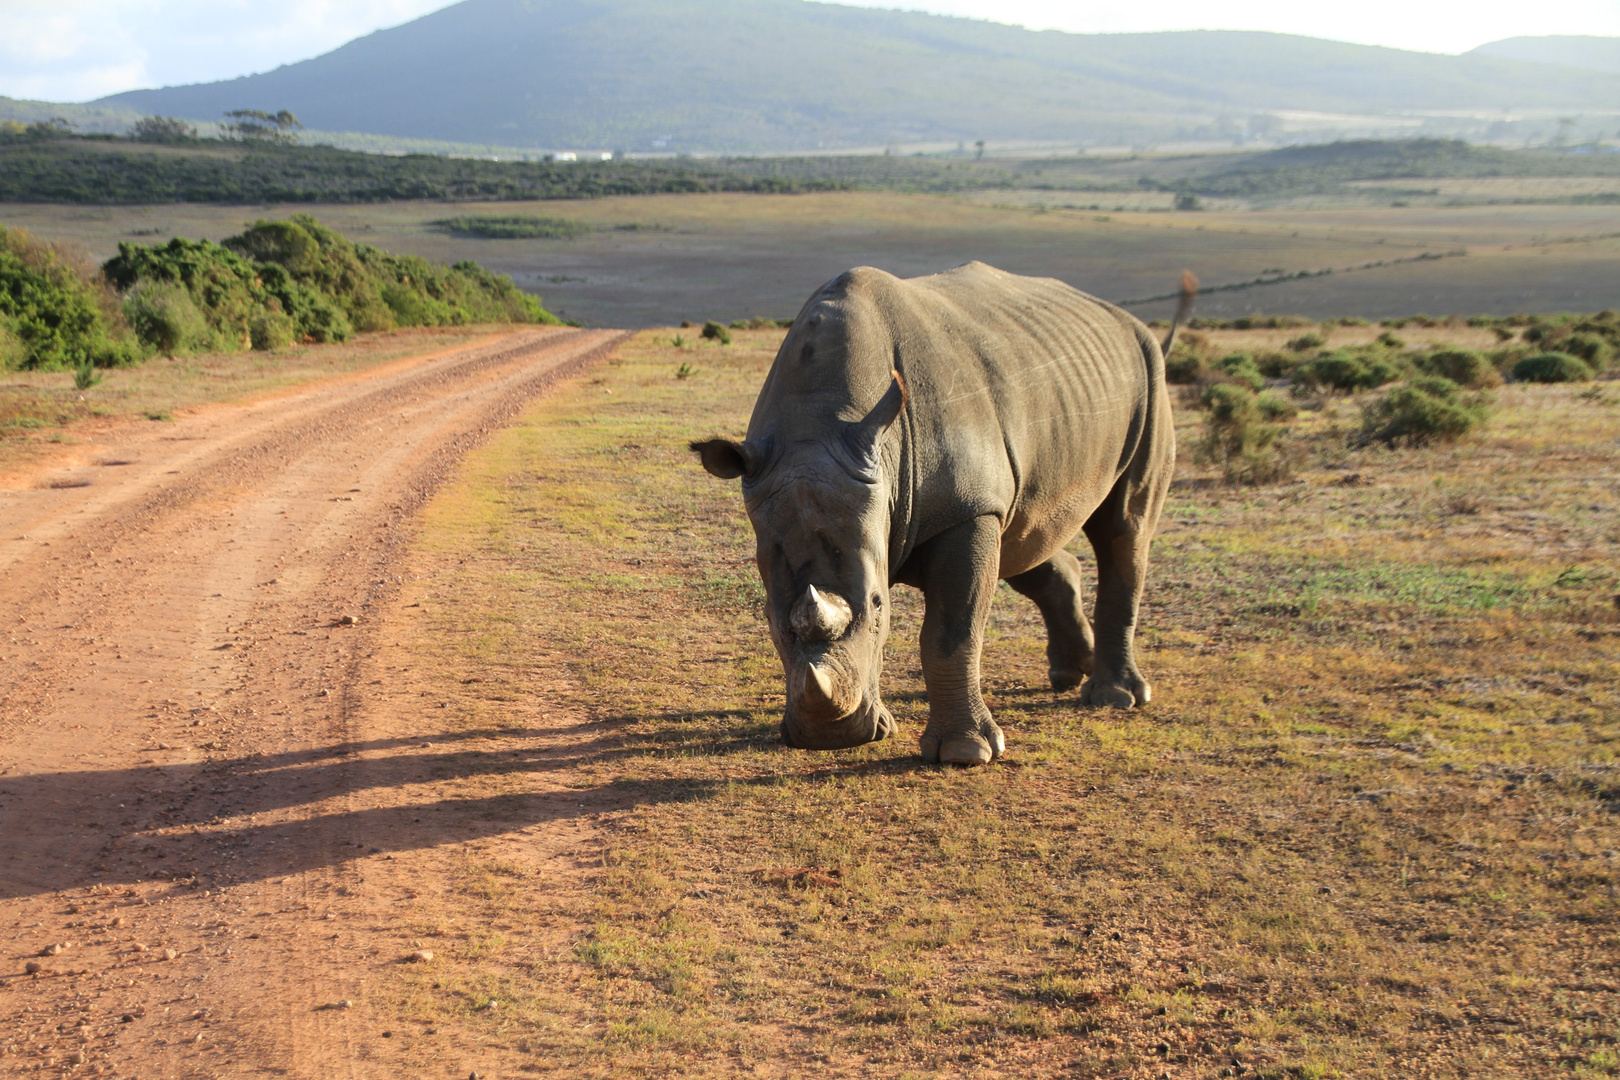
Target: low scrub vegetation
pixel 1552 367
pixel 62 169
pixel 275 284
pixel 1409 394
pixel 515 227
pixel 1422 410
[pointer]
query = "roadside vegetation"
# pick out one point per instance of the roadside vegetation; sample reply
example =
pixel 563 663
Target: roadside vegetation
pixel 1366 828
pixel 276 284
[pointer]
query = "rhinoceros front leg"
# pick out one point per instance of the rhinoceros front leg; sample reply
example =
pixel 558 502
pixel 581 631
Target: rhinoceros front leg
pixel 1055 586
pixel 957 574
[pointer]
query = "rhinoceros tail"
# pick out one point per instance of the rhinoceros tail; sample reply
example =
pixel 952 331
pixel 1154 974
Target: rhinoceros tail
pixel 1189 290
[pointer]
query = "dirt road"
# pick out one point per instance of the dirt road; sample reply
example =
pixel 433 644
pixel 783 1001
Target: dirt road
pixel 191 767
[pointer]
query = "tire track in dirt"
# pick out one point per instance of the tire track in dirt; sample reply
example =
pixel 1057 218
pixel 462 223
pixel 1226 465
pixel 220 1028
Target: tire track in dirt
pixel 188 766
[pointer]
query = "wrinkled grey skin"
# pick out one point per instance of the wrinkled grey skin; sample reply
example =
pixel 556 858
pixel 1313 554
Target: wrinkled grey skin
pixel 947 432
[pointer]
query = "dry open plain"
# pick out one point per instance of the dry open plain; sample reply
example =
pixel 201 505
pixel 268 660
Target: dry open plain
pixel 528 814
pixel 656 260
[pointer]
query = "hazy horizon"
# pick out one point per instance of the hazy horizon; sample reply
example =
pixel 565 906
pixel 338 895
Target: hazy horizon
pixel 83 50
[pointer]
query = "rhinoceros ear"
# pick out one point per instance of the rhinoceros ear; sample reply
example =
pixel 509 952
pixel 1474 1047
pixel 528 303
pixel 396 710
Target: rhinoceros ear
pixel 862 436
pixel 726 459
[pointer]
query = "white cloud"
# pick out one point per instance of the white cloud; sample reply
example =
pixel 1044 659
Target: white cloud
pixel 75 50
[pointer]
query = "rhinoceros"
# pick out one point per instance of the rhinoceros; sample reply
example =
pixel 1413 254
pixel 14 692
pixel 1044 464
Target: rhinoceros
pixel 948 432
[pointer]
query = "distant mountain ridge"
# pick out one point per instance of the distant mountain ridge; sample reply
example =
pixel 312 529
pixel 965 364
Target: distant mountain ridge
pixel 1569 50
pixel 771 75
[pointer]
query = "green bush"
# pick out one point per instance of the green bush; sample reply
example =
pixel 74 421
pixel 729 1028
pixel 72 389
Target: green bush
pixel 1551 367
pixel 1239 367
pixel 716 332
pixel 1237 439
pixel 1307 341
pixel 1275 407
pixel 515 227
pixel 1424 409
pixel 249 288
pixel 1593 348
pixel 1390 341
pixel 165 317
pixel 1465 367
pixel 1275 364
pixel 1346 371
pixel 54 313
pixel 1184 368
pixel 271 329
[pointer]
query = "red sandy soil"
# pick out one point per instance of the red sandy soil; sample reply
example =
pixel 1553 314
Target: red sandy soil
pixel 202 784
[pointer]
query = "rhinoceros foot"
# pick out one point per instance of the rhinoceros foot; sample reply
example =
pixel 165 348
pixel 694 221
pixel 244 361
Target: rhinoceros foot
pixel 1126 695
pixel 1066 679
pixel 964 747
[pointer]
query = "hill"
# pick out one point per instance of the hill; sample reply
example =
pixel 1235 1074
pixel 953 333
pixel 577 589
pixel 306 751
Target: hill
pixel 1570 50
pixel 761 75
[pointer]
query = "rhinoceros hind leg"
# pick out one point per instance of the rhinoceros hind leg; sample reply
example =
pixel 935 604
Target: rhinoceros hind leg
pixel 1055 586
pixel 1120 531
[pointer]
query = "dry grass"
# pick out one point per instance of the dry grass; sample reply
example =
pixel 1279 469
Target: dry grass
pixel 1367 827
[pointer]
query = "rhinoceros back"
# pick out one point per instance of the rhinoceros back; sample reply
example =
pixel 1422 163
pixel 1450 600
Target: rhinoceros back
pixel 1028 399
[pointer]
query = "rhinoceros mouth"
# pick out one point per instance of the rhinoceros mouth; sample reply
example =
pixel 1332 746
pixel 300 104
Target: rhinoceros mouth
pixel 869 722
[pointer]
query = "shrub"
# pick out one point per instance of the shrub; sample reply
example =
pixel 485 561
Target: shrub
pixel 1590 347
pixel 13 354
pixel 1239 367
pixel 1551 367
pixel 1184 367
pixel 1307 341
pixel 1465 367
pixel 326 286
pixel 716 332
pixel 1346 371
pixel 161 129
pixel 56 312
pixel 1274 406
pixel 164 316
pixel 1389 341
pixel 1424 409
pixel 514 227
pixel 1236 437
pixel 85 375
pixel 272 329
pixel 1276 364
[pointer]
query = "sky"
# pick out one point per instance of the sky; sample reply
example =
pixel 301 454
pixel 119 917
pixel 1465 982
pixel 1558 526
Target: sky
pixel 78 50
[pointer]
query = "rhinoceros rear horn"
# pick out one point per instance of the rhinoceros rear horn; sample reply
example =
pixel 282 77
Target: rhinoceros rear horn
pixel 862 436
pixel 726 459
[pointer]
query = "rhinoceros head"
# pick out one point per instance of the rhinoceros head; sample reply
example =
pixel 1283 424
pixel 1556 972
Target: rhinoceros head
pixel 820 511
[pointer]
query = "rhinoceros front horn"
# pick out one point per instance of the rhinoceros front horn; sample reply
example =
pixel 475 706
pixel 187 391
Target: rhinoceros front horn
pixel 818 689
pixel 820 616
